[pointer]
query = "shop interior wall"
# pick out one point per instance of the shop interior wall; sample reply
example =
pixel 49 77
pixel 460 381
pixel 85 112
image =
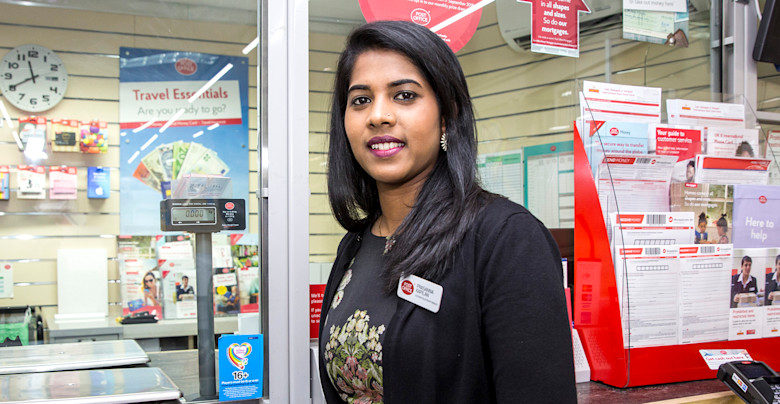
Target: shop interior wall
pixel 521 99
pixel 31 231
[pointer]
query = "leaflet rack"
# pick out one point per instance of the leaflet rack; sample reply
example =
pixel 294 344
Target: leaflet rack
pixel 597 312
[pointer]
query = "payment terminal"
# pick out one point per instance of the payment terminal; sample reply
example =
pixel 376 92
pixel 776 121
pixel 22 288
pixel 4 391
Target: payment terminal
pixel 753 381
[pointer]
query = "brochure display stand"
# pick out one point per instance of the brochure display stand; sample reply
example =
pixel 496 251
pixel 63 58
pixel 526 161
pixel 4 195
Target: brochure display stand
pixel 620 349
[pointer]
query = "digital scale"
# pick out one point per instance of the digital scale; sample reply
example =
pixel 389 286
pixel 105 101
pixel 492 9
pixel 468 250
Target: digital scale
pixel 203 217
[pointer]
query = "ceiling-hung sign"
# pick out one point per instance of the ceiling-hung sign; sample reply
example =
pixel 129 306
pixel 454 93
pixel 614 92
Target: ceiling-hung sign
pixel 428 13
pixel 556 26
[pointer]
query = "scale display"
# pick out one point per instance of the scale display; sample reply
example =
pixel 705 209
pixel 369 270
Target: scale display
pixel 193 216
pixel 202 215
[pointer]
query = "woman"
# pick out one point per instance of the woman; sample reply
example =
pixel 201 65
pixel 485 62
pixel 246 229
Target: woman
pixel 151 296
pixel 482 318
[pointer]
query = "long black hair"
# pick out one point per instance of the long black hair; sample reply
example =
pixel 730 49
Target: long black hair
pixel 451 196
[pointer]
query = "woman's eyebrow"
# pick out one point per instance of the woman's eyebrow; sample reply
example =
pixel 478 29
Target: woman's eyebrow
pixel 357 87
pixel 404 81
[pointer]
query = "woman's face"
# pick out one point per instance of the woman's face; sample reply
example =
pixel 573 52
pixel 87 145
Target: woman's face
pixel 689 173
pixel 148 281
pixel 746 266
pixel 392 119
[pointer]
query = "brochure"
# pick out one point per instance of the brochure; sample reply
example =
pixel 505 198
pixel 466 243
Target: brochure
pixel 772 153
pixel 703 113
pixel 684 142
pixel 756 216
pixel 712 207
pixel 226 294
pixel 140 285
pixel 32 128
pixel 611 137
pixel 731 170
pixel 647 282
pixel 651 229
pixel 704 286
pixel 179 288
pixel 725 141
pixel 617 102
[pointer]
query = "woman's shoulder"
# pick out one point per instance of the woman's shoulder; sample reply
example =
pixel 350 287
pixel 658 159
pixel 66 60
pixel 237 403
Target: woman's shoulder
pixel 499 210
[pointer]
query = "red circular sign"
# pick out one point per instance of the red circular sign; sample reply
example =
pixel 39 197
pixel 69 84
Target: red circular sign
pixel 186 66
pixel 762 199
pixel 614 131
pixel 428 14
pixel 7 266
pixel 229 206
pixel 407 287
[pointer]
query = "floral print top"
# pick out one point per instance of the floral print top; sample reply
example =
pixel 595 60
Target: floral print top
pixel 355 326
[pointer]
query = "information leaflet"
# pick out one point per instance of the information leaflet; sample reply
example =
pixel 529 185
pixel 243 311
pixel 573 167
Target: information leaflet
pixel 647 281
pixel 704 285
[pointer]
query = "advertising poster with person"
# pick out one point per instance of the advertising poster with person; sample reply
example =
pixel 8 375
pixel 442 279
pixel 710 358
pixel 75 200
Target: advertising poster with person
pixel 181 114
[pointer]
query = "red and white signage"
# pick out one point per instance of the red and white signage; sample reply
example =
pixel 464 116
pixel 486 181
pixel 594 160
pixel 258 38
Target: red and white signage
pixel 556 26
pixel 316 294
pixel 428 13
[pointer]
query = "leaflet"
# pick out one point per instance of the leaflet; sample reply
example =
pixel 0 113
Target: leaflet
pixel 731 170
pixel 751 286
pixel 634 183
pixel 647 282
pixel 30 181
pixel 711 205
pixel 608 137
pixel 756 221
pixel 617 102
pixel 651 229
pixel 728 141
pixel 704 286
pixel 702 113
pixel 684 142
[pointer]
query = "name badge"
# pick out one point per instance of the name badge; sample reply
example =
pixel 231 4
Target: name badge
pixel 421 292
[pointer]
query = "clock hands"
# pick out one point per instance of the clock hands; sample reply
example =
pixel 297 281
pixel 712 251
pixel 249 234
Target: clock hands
pixel 32 75
pixel 24 81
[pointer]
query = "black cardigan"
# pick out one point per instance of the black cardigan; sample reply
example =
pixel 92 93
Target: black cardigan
pixel 501 334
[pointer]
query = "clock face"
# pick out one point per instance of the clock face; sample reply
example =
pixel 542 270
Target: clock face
pixel 33 78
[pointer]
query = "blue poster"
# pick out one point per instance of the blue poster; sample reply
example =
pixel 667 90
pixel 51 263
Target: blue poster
pixel 240 367
pixel 180 114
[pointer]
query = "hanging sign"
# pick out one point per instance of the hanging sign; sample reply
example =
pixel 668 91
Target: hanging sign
pixel 556 26
pixel 428 13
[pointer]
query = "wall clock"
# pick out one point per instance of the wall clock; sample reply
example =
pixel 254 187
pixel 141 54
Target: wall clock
pixel 33 78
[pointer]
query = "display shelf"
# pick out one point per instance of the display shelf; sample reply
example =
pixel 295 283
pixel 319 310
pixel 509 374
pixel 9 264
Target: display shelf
pixel 597 312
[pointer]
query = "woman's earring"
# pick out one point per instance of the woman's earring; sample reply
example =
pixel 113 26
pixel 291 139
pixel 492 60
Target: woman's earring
pixel 443 141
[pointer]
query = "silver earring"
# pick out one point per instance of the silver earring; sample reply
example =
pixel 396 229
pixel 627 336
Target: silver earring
pixel 443 141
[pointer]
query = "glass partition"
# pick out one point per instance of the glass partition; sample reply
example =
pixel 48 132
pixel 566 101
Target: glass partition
pixel 108 108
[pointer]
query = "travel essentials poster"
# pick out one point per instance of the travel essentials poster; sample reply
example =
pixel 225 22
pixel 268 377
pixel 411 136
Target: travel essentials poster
pixel 169 131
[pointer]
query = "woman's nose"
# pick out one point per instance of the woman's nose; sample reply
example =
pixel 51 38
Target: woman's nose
pixel 381 114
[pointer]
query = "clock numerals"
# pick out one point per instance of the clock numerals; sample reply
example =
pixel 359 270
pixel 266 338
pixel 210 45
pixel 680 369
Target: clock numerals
pixel 33 78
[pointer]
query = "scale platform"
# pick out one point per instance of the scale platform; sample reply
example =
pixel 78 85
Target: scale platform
pixel 70 356
pixel 104 386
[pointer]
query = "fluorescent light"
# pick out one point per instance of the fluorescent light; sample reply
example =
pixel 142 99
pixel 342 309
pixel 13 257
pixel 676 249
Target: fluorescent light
pixel 133 157
pixel 457 17
pixel 173 119
pixel 210 82
pixel 561 127
pixel 5 115
pixel 251 45
pixel 196 134
pixel 18 140
pixel 144 126
pixel 25 237
pixel 214 126
pixel 150 141
pixel 122 134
